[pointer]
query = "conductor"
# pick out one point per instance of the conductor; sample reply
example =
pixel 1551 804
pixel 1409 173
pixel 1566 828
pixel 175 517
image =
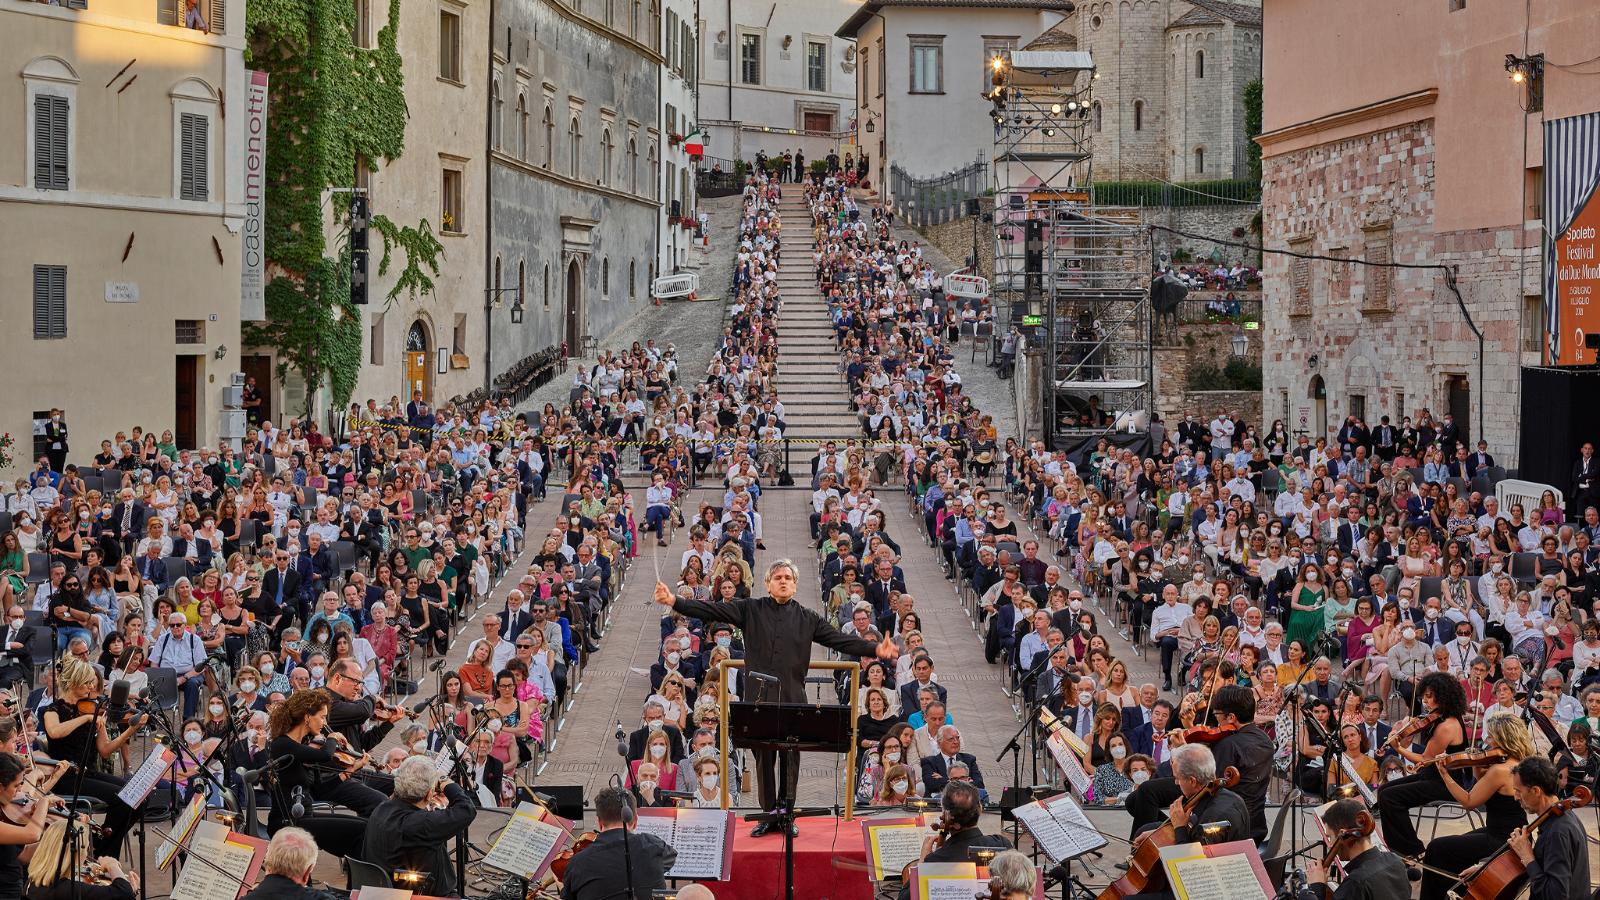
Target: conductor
pixel 778 633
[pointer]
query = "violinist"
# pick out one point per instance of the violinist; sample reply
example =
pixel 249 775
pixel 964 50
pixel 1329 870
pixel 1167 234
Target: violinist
pixel 1493 792
pixel 1558 861
pixel 320 771
pixel 958 826
pixel 50 874
pixel 601 870
pixel 413 828
pixel 16 835
pixel 1368 871
pixel 1441 732
pixel 76 727
pixel 349 712
pixel 1236 741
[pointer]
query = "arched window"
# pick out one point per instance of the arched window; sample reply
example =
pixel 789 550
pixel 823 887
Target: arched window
pixel 1199 159
pixel 549 138
pixel 522 282
pixel 632 286
pixel 605 157
pixel 1097 118
pixel 1138 115
pixel 633 165
pixel 417 338
pixel 1199 64
pixel 522 126
pixel 605 277
pixel 655 173
pixel 546 285
pixel 498 104
pixel 575 142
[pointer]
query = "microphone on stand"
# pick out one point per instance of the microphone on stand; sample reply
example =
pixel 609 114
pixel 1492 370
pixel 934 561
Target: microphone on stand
pixel 622 740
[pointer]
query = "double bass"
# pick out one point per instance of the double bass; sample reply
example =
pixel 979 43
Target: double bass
pixel 1144 866
pixel 1501 875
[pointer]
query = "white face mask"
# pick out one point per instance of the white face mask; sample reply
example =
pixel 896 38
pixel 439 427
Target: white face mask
pixel 1085 698
pixel 1409 634
pixel 250 735
pixel 1199 577
pixel 1075 605
pixel 216 709
pixel 1463 639
pixel 1140 777
pixel 653 724
pixel 1497 567
pixel 1311 575
pixel 316 673
pixel 247 686
pixel 192 736
pixel 267 669
pixel 420 745
pixel 724 642
pixel 1183 559
pixel 709 782
pixel 1395 775
pixel 658 751
pixel 495 725
pixel 17 623
pixel 1431 614
pixel 1144 564
pixel 899 787
pixel 892 757
pixel 672 659
pixel 1119 752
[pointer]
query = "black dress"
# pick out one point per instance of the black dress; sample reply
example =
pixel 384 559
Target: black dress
pixel 79 747
pixel 312 776
pixel 1397 798
pixel 64 889
pixel 1452 853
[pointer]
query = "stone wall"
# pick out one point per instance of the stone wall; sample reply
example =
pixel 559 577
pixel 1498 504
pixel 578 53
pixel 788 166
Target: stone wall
pixel 954 238
pixel 1224 221
pixel 1200 343
pixel 1205 405
pixel 1391 341
pixel 1206 112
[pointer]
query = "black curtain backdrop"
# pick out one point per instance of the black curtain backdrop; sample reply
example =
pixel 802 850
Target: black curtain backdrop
pixel 1560 410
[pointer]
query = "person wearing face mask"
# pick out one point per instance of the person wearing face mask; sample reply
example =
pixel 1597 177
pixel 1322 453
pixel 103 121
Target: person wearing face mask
pixel 707 784
pixel 1409 660
pixel 195 754
pixel 652 720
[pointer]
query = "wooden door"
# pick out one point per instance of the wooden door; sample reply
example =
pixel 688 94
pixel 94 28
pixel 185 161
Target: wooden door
pixel 574 309
pixel 186 391
pixel 417 374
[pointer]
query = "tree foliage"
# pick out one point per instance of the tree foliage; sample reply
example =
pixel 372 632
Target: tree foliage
pixel 1252 126
pixel 332 106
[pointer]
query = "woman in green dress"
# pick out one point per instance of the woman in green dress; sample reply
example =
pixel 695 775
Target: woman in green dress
pixel 1306 619
pixel 13 569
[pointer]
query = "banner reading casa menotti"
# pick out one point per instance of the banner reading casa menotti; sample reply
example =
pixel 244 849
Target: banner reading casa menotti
pixel 252 288
pixel 1572 247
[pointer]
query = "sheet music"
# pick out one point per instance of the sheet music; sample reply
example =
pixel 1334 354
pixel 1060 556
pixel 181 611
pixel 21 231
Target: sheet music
pixel 198 881
pixel 1349 769
pixel 168 848
pixel 700 838
pixel 949 881
pixel 525 843
pixel 1068 762
pixel 381 893
pixel 660 826
pixel 144 779
pixel 893 846
pixel 1059 827
pixel 1217 878
pixel 444 762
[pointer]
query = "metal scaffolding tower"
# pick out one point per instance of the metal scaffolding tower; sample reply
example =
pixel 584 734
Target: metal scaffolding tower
pixel 1072 277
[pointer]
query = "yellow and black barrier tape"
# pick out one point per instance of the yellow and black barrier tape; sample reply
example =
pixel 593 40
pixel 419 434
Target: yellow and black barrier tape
pixel 501 433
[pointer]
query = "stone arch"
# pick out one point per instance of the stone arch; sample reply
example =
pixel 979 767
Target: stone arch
pixel 54 68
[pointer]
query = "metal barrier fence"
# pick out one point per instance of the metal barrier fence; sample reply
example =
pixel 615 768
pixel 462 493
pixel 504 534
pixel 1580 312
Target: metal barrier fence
pixel 941 198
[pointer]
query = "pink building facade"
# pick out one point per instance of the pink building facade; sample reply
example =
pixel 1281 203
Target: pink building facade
pixel 1392 132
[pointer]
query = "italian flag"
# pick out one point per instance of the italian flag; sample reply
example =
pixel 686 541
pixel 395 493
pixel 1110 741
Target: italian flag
pixel 694 143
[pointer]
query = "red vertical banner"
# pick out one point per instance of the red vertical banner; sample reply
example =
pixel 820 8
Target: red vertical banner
pixel 1577 280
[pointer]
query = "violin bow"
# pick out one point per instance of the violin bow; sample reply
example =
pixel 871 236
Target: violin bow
pixel 1211 682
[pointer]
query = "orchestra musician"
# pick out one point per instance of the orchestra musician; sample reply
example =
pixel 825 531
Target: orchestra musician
pixel 958 829
pixel 15 839
pixel 1369 873
pixel 1493 792
pixel 412 829
pixel 80 736
pixel 601 870
pixel 1558 861
pixel 319 771
pixel 1194 767
pixel 291 858
pixel 50 875
pixel 349 712
pixel 1242 745
pixel 1445 702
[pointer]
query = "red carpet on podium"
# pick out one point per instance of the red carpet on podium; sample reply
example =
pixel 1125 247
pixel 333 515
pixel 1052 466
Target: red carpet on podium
pixel 828 864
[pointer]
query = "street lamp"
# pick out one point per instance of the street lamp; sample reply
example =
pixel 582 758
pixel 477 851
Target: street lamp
pixel 1240 343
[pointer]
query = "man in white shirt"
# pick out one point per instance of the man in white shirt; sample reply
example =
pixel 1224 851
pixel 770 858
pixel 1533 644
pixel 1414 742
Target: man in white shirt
pixel 1165 623
pixel 819 498
pixel 1221 433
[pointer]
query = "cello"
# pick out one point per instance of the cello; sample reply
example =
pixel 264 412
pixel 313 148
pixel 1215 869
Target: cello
pixel 1502 873
pixel 1144 866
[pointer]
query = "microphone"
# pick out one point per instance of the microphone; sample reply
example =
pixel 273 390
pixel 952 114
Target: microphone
pixel 119 694
pixel 439 664
pixel 298 808
pixel 760 677
pixel 622 740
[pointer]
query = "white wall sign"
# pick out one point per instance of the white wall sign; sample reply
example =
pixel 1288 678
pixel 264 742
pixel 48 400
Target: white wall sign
pixel 122 292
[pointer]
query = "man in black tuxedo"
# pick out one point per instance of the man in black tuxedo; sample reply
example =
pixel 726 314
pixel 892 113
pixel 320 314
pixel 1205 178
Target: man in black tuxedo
pixel 962 806
pixel 655 718
pixel 16 659
pixel 883 584
pixel 936 767
pixel 128 518
pixel 280 590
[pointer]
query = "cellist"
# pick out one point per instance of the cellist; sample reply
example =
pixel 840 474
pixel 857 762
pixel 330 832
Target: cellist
pixel 1446 702
pixel 1558 861
pixel 1242 745
pixel 1369 873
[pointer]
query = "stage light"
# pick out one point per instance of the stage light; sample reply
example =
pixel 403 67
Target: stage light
pixel 920 804
pixel 1049 132
pixel 1345 791
pixel 1517 76
pixel 408 876
pixel 1072 104
pixel 1055 109
pixel 1213 830
pixel 999 63
pixel 982 855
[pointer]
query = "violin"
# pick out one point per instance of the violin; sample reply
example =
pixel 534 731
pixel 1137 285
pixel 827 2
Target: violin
pixel 1413 727
pixel 1208 734
pixel 1145 873
pixel 1365 826
pixel 1502 874
pixel 33 790
pixel 382 710
pixel 558 866
pixel 88 706
pixel 1467 759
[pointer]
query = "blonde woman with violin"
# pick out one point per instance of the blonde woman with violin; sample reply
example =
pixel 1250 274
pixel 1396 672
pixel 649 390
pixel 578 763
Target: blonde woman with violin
pixel 50 875
pixel 75 726
pixel 1509 742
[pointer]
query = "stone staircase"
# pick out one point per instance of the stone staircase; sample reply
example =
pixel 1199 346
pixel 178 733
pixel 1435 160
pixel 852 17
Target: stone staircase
pixel 809 382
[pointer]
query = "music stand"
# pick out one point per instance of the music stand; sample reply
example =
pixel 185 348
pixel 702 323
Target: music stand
pixel 785 728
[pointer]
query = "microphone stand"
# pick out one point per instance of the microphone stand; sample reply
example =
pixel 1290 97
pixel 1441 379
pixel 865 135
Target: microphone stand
pixel 1294 879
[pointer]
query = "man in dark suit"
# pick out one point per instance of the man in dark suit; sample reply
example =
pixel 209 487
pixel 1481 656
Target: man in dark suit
pixel 1349 533
pixel 1585 491
pixel 1150 738
pixel 936 767
pixel 889 622
pixel 128 518
pixel 280 590
pixel 602 871
pixel 655 717
pixel 55 436
pixel 963 807
pixel 1376 730
pixel 16 659
pixel 882 585
pixel 921 677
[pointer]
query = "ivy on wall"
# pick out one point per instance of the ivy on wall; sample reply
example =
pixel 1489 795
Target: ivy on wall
pixel 331 105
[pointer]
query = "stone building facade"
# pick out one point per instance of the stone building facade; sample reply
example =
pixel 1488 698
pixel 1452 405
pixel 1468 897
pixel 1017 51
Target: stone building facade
pixel 576 171
pixel 1172 73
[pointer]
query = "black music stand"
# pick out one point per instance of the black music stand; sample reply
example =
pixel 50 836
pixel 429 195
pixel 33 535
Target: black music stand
pixel 786 728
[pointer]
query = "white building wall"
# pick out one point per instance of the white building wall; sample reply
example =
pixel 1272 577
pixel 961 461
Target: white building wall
pixel 679 115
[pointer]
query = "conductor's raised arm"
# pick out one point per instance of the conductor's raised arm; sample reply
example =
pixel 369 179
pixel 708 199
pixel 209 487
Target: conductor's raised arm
pixel 714 611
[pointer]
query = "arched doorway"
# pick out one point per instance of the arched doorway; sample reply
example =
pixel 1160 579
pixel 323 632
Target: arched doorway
pixel 1318 395
pixel 574 309
pixel 419 375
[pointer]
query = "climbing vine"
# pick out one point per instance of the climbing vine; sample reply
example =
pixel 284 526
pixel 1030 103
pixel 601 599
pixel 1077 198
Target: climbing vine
pixel 332 106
